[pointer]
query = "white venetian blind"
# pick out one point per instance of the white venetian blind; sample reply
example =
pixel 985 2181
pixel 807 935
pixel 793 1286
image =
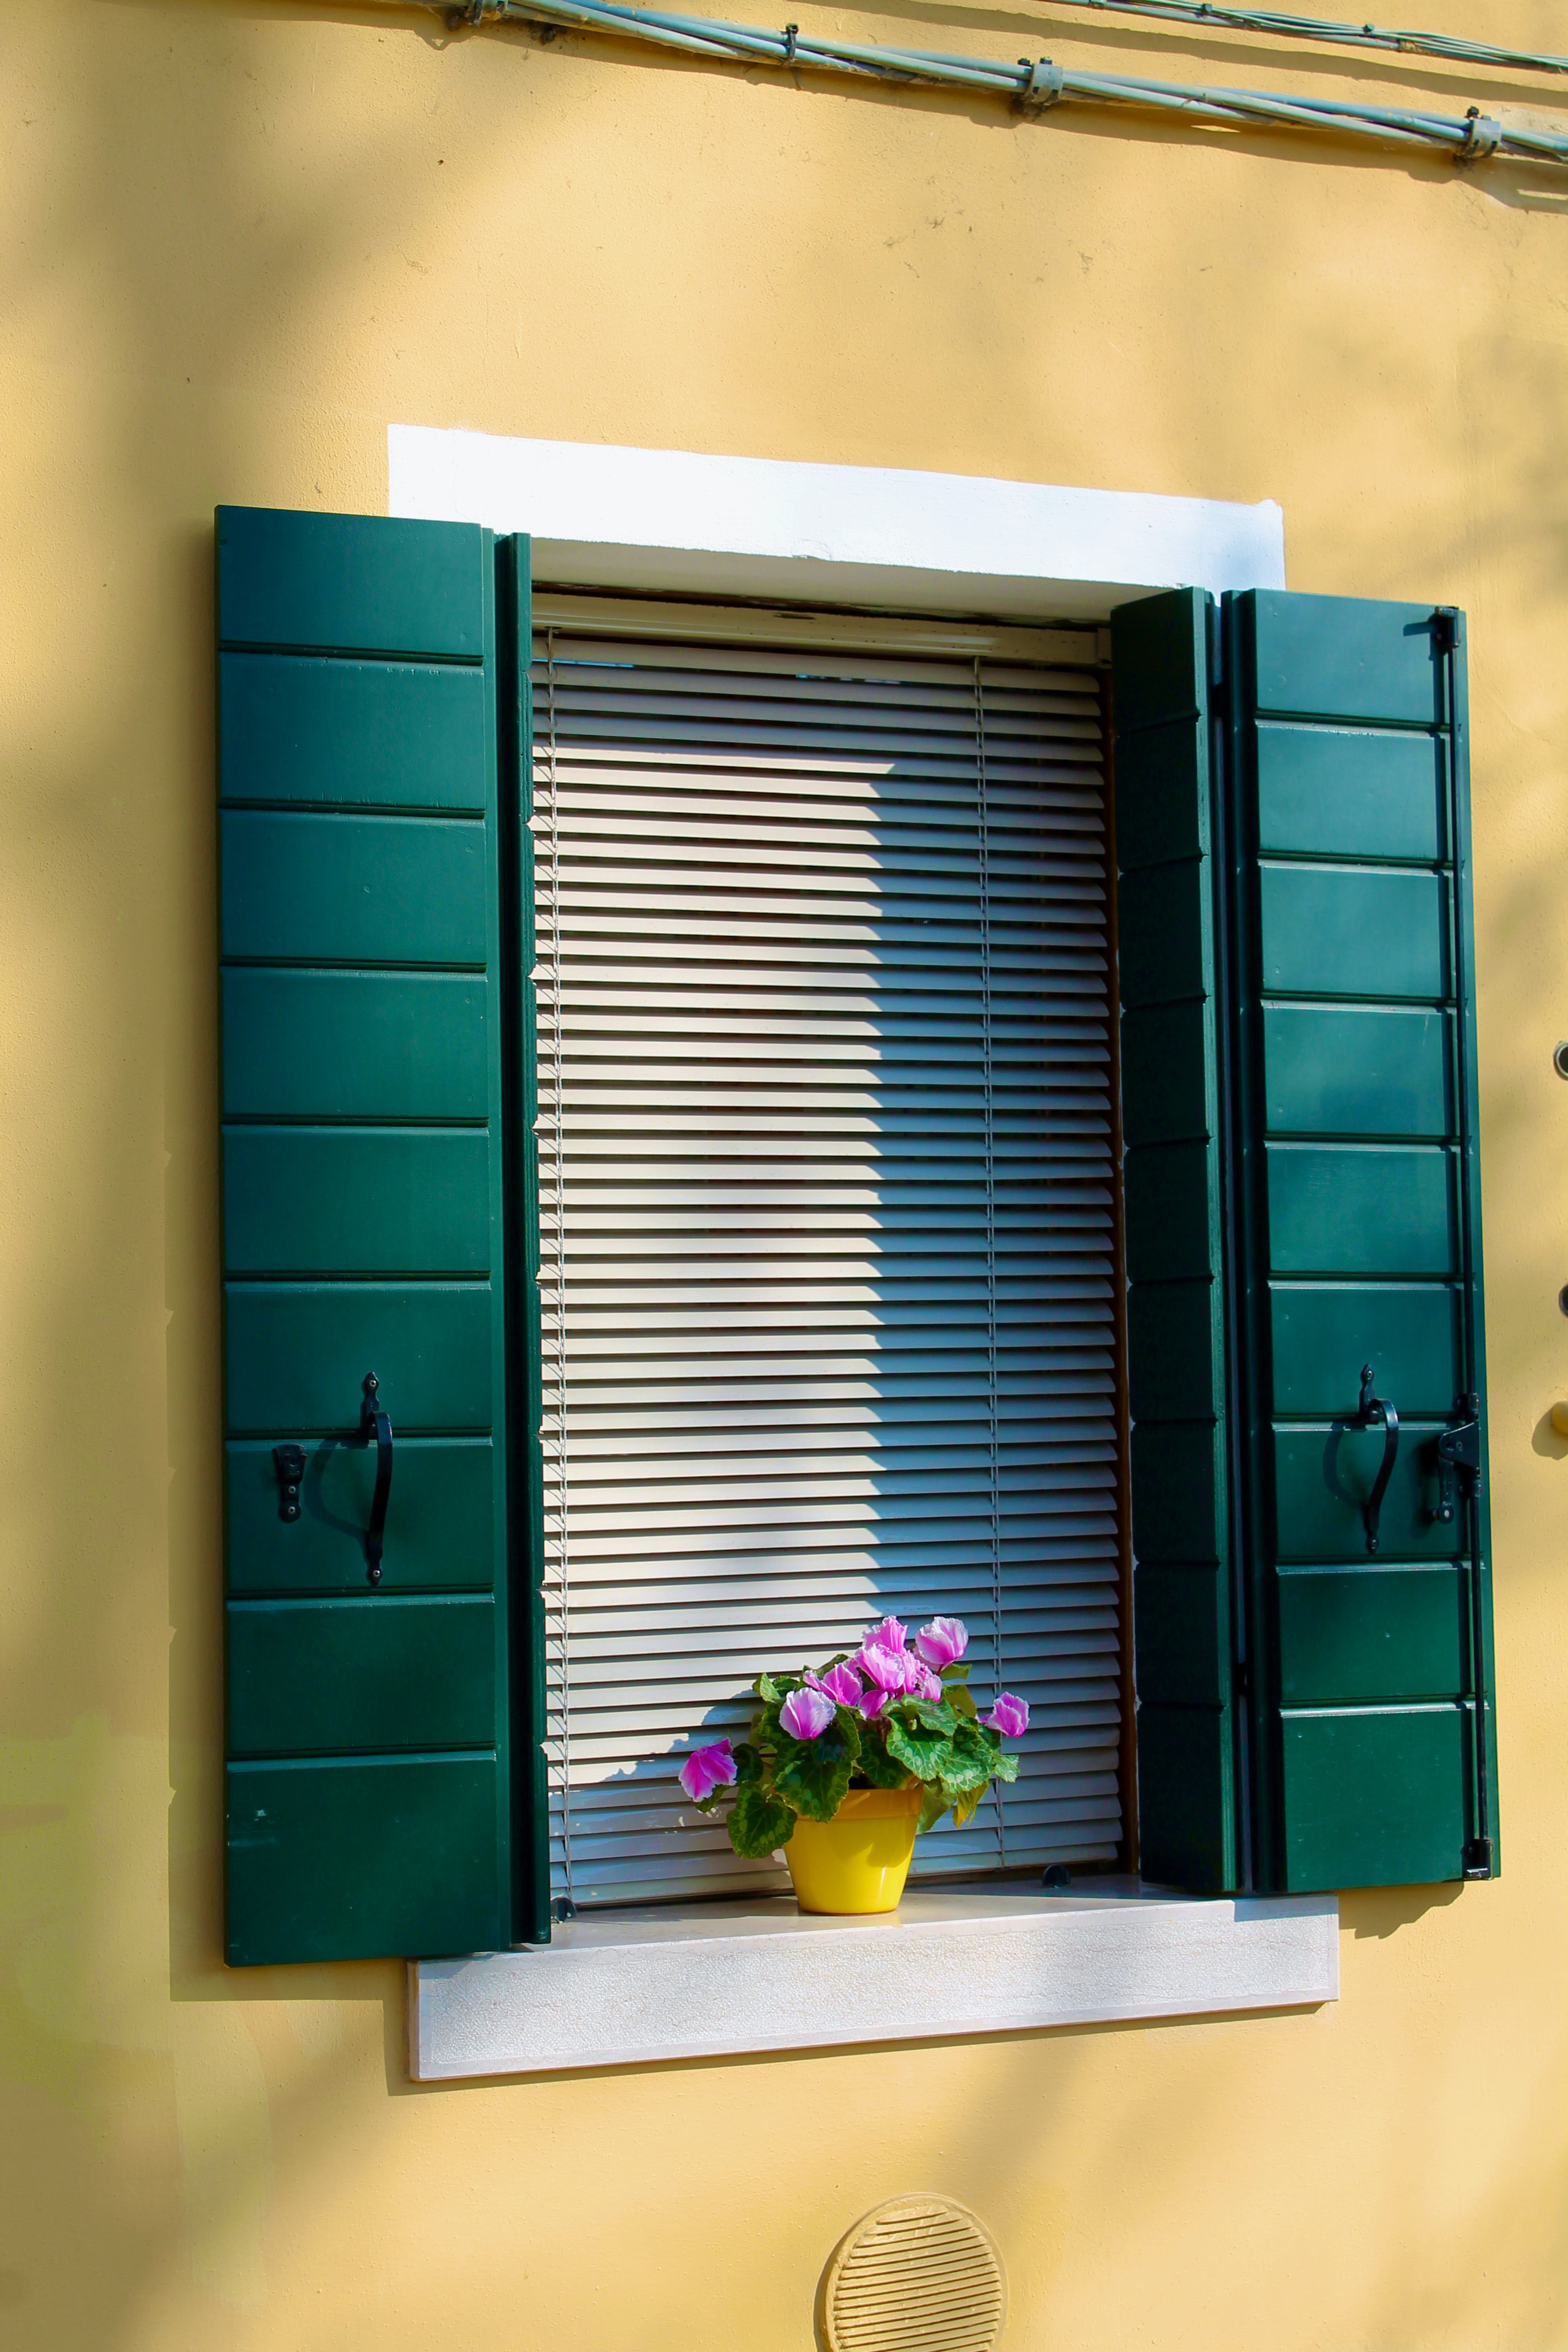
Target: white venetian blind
pixel 826 1187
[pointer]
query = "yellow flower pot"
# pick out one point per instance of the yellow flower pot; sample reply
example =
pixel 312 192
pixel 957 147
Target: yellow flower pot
pixel 859 1860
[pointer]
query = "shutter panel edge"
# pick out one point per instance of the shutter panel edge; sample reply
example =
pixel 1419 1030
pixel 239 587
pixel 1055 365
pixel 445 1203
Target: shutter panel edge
pixel 1184 1629
pixel 531 1792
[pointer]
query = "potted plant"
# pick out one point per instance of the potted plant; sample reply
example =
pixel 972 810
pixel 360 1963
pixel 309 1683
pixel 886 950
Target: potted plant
pixel 843 1767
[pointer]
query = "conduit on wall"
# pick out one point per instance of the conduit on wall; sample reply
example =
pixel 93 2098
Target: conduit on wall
pixel 1320 28
pixel 1034 85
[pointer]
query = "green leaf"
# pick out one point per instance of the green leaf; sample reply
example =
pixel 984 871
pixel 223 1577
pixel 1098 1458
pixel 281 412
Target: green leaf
pixel 759 1823
pixel 882 1771
pixel 1006 1768
pixel 920 1753
pixel 934 1717
pixel 766 1729
pixel 767 1689
pixel 966 1759
pixel 974 1756
pixel 933 1804
pixel 846 1723
pixel 748 1763
pixel 963 1808
pixel 962 1702
pixel 958 1672
pixel 814 1779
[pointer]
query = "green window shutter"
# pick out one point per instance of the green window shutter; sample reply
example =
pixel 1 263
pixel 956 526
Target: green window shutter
pixel 1168 897
pixel 1354 1047
pixel 1321 928
pixel 365 1028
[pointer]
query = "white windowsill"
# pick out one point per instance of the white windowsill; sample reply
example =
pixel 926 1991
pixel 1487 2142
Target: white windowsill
pixel 698 1981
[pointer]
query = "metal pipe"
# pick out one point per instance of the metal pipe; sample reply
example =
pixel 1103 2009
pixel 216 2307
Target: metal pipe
pixel 1322 28
pixel 1037 86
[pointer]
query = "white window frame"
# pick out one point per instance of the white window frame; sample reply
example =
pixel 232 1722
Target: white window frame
pixel 699 1980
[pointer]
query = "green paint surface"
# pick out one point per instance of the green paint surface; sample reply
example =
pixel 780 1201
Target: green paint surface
pixel 355 1044
pixel 348 1858
pixel 1358 1070
pixel 1339 1209
pixel 346 733
pixel 1372 1797
pixel 1371 1633
pixel 376 1671
pixel 303 887
pixel 1337 792
pixel 440 1519
pixel 346 1200
pixel 1350 931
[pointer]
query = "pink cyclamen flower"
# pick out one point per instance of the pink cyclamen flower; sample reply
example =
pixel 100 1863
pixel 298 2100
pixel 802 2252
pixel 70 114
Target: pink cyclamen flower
pixel 888 1669
pixel 806 1714
pixel 841 1683
pixel 872 1705
pixel 921 1683
pixel 707 1768
pixel 1010 1715
pixel 888 1636
pixel 943 1642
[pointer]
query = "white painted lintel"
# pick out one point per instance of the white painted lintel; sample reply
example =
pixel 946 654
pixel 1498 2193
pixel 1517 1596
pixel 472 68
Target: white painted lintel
pixel 625 1988
pixel 888 539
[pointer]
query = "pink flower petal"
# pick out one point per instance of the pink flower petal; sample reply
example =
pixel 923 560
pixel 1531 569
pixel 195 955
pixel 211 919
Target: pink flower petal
pixel 841 1683
pixel 707 1768
pixel 942 1641
pixel 806 1714
pixel 1010 1715
pixel 886 1668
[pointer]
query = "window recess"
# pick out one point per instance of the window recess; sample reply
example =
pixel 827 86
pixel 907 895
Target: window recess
pixel 825 1141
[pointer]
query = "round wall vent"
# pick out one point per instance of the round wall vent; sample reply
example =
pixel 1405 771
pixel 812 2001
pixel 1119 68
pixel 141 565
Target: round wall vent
pixel 917 2275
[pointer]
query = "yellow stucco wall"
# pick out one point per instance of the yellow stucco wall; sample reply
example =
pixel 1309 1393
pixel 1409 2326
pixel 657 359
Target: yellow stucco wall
pixel 238 240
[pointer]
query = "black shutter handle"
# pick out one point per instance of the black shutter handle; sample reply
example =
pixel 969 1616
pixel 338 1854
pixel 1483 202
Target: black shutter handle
pixel 374 1422
pixel 1372 1410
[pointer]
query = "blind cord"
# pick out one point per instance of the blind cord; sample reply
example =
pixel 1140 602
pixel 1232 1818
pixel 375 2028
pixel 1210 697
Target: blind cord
pixel 552 867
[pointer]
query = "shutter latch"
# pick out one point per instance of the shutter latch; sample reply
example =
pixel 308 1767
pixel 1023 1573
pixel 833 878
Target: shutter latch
pixel 1459 1459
